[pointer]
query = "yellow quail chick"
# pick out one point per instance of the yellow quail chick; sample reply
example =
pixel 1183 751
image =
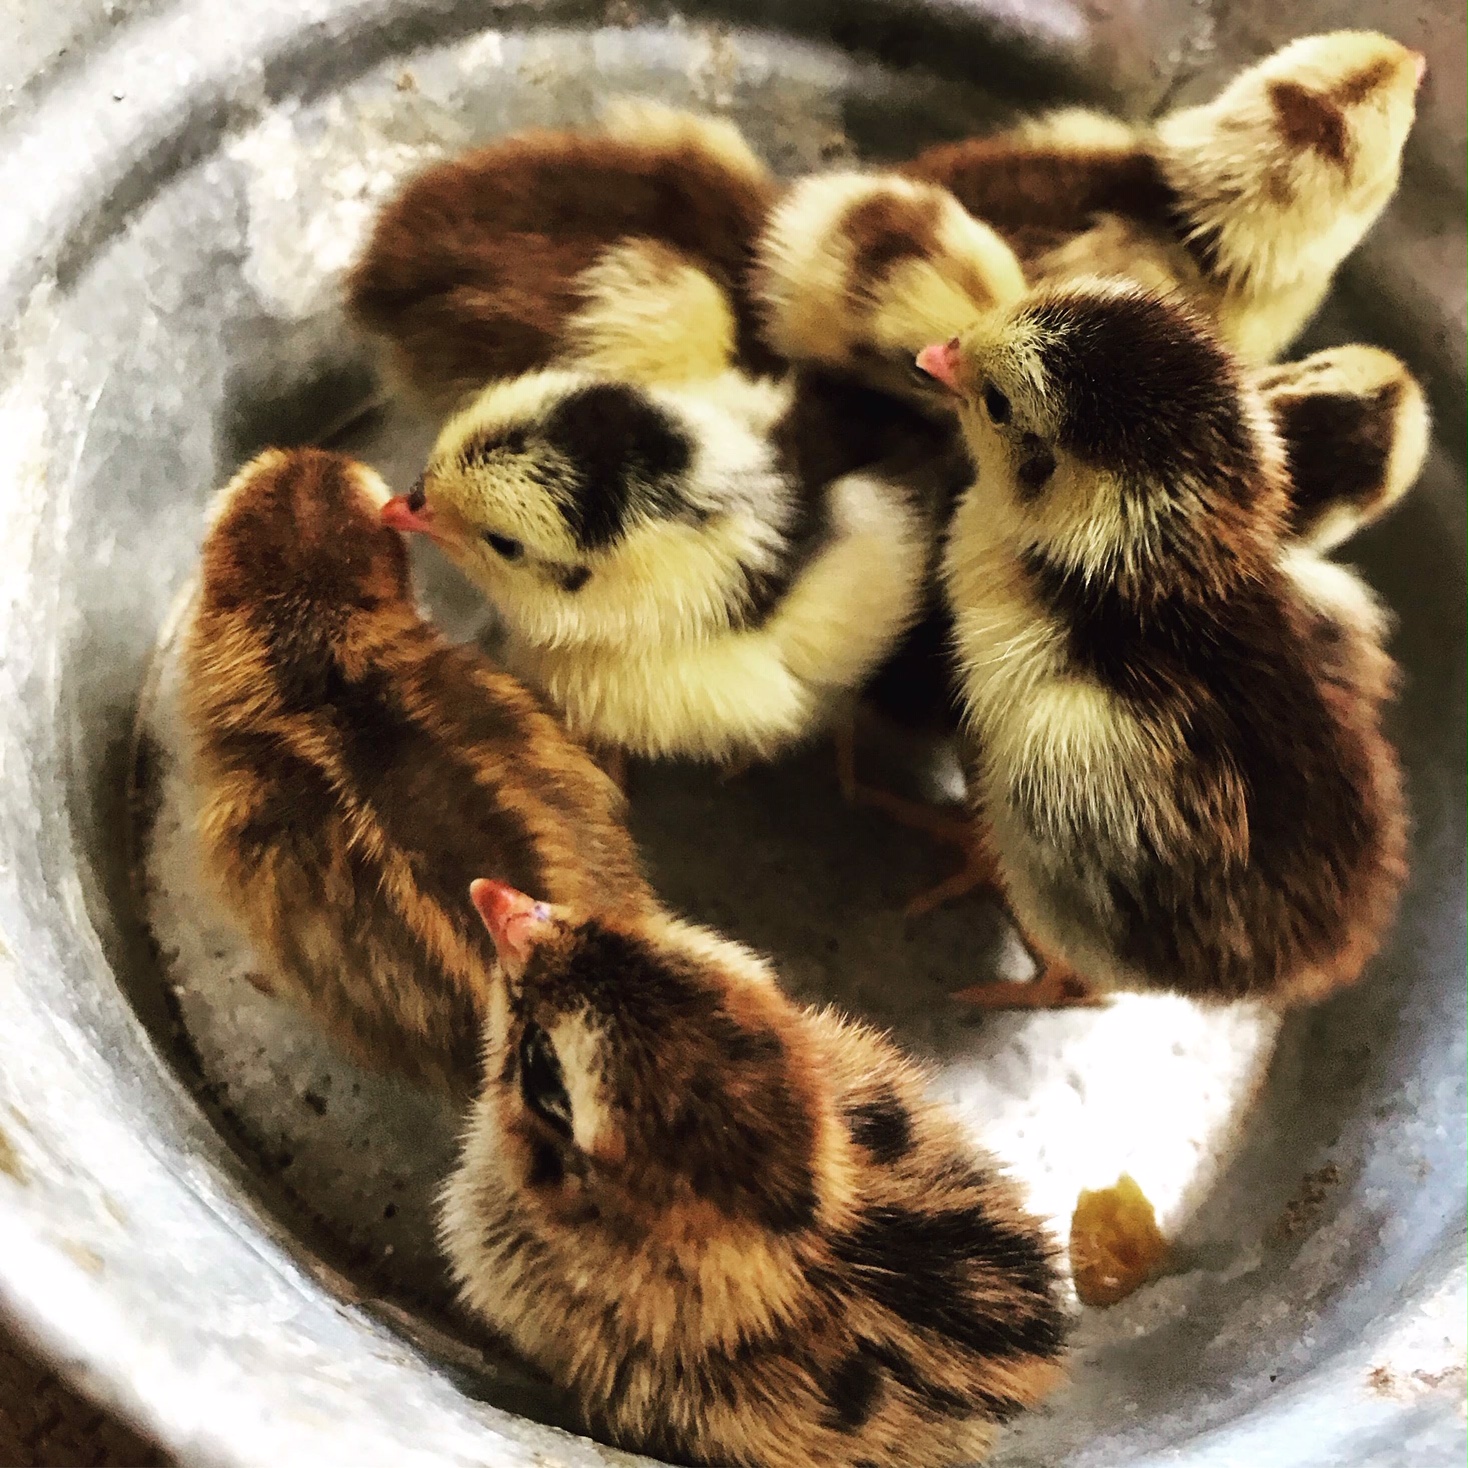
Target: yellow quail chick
pixel 735 1229
pixel 1177 714
pixel 356 771
pixel 1247 203
pixel 677 570
pixel 621 250
pixel 859 271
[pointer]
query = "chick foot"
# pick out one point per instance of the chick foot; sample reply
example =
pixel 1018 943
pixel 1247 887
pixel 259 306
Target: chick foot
pixel 950 825
pixel 1056 986
pixel 979 872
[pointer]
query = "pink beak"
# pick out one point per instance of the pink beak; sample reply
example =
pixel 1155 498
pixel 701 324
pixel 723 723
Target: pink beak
pixel 409 512
pixel 1420 62
pixel 510 916
pixel 941 362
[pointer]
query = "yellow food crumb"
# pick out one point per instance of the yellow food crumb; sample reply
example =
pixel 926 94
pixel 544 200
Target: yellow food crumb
pixel 1115 1244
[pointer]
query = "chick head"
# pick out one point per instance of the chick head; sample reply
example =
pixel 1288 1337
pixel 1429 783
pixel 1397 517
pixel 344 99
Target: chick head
pixel 856 271
pixel 645 1079
pixel 1284 171
pixel 296 540
pixel 593 510
pixel 1111 429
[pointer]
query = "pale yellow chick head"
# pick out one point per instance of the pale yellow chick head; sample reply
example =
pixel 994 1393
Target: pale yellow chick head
pixel 587 509
pixel 859 270
pixel 1286 169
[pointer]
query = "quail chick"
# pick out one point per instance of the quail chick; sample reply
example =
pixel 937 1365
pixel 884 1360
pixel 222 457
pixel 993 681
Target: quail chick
pixel 356 771
pixel 859 271
pixel 1356 429
pixel 1247 203
pixel 1179 750
pixel 623 251
pixel 735 1229
pixel 668 574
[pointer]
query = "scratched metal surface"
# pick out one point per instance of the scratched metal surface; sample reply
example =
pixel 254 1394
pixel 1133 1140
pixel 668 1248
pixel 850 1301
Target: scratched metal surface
pixel 215 1225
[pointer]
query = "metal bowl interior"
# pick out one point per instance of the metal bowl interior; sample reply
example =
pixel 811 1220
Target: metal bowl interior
pixel 185 189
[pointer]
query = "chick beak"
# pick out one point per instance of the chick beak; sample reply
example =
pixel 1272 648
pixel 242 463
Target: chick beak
pixel 409 512
pixel 941 362
pixel 512 918
pixel 1419 64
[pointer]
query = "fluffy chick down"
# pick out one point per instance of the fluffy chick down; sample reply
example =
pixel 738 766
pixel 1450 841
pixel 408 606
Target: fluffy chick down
pixel 1178 712
pixel 1247 203
pixel 1355 427
pixel 684 571
pixel 356 772
pixel 736 1229
pixel 859 271
pixel 622 250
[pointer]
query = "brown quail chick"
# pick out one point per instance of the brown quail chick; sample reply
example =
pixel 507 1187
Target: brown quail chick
pixel 356 771
pixel 1355 427
pixel 736 1230
pixel 621 251
pixel 857 272
pixel 1179 757
pixel 1247 203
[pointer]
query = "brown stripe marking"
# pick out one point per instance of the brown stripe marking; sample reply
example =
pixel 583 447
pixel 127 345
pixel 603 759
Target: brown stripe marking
pixel 1308 121
pixel 885 229
pixel 1359 86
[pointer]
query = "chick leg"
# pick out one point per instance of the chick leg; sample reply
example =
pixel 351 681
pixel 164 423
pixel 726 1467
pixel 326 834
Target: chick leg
pixel 853 792
pixel 979 869
pixel 950 825
pixel 942 823
pixel 1056 987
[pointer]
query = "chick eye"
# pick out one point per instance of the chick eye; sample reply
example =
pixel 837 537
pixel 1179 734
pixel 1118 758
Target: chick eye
pixel 503 546
pixel 996 405
pixel 541 1083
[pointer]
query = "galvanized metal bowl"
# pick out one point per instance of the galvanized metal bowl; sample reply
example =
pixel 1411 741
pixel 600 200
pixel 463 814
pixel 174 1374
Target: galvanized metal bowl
pixel 181 185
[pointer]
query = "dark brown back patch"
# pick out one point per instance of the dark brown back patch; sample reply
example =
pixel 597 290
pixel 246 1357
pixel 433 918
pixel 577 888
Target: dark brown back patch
pixel 937 1271
pixel 883 1127
pixel 853 1391
pixel 1339 448
pixel 1147 392
pixel 1307 120
pixel 885 229
pixel 706 1098
pixel 1239 678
